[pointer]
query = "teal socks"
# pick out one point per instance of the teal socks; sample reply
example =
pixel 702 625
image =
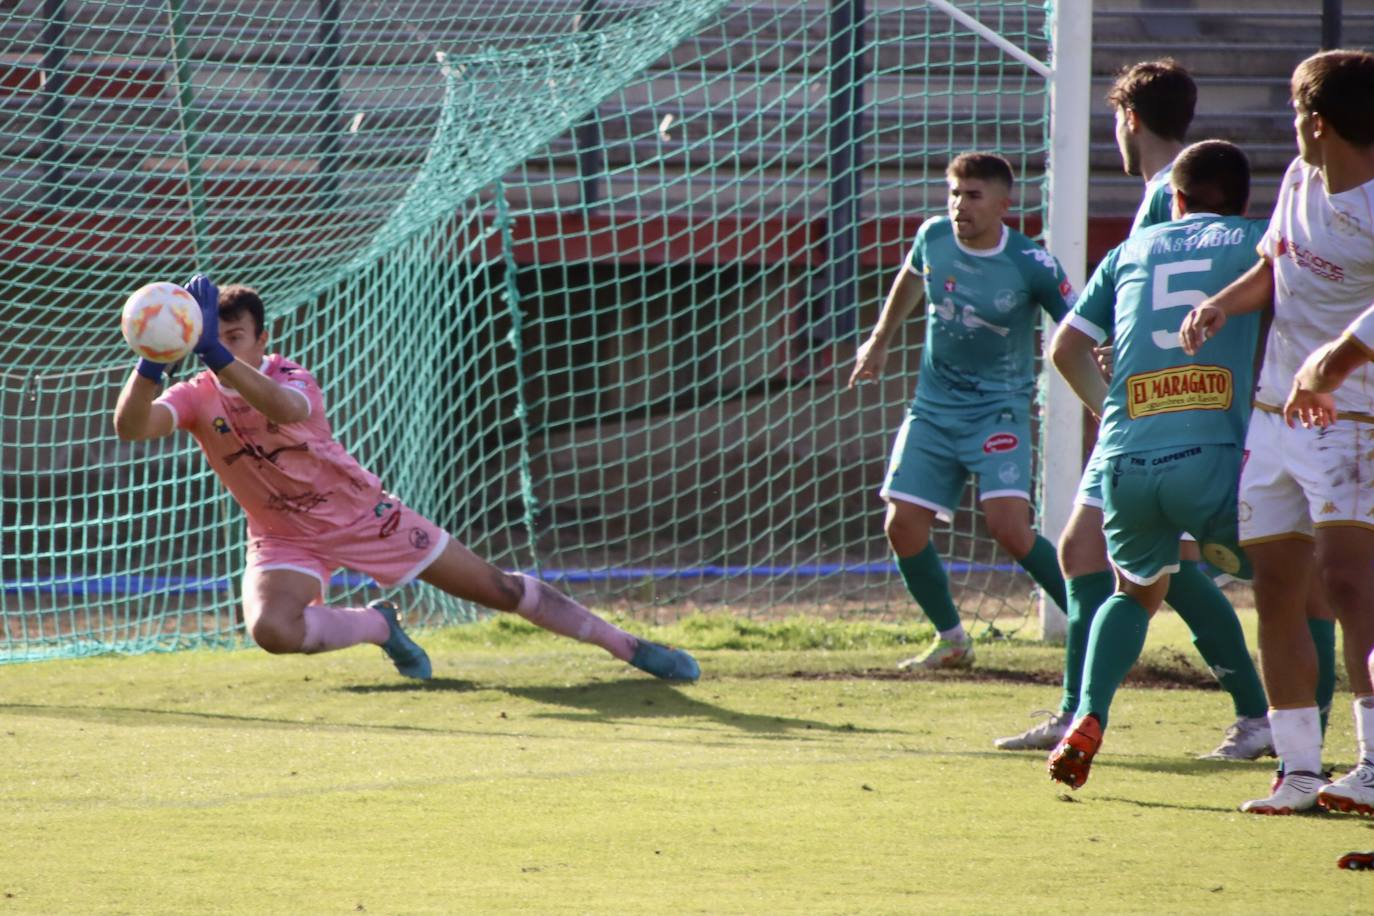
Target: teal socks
pixel 1085 595
pixel 1043 565
pixel 1114 644
pixel 927 582
pixel 1218 637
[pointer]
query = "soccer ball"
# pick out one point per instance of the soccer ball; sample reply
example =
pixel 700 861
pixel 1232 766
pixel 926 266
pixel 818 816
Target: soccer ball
pixel 161 321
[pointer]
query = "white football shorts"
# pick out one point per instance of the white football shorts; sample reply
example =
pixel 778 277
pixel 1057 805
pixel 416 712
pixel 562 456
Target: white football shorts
pixel 1296 480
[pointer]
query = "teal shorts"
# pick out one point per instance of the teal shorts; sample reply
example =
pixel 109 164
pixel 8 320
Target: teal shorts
pixel 1090 484
pixel 1151 498
pixel 935 452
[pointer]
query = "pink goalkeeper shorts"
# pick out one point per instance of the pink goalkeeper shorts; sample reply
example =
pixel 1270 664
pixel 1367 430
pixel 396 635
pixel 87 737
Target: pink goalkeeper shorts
pixel 393 545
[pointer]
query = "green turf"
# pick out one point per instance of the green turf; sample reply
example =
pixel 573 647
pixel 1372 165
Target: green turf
pixel 538 776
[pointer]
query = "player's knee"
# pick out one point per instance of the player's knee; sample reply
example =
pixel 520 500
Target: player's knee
pixel 906 534
pixel 272 635
pixel 1082 552
pixel 1015 536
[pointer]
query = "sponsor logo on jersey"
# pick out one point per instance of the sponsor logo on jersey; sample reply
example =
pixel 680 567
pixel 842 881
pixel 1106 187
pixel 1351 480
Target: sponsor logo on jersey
pixel 419 539
pixel 1008 473
pixel 1178 388
pixel 1312 262
pixel 1000 442
pixel 1328 508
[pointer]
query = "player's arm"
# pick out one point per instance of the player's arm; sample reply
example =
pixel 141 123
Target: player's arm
pixel 1310 402
pixel 279 404
pixel 1252 291
pixel 1072 352
pixel 274 401
pixel 907 292
pixel 136 417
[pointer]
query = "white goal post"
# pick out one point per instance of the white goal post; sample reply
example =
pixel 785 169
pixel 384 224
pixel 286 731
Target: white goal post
pixel 1069 75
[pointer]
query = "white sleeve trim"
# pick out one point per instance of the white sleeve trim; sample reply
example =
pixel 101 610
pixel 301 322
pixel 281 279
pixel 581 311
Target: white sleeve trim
pixel 176 417
pixel 1075 320
pixel 309 408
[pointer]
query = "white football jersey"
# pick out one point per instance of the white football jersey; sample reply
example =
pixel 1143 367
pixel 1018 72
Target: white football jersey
pixel 1322 249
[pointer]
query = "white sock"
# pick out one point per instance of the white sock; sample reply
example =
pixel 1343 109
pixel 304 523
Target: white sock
pixel 1297 738
pixel 954 634
pixel 1364 727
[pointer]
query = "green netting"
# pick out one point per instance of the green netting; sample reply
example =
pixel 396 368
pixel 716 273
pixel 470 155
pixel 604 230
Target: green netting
pixel 581 282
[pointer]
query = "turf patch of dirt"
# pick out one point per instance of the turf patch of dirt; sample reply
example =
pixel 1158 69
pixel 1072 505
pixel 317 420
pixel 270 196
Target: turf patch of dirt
pixel 1164 670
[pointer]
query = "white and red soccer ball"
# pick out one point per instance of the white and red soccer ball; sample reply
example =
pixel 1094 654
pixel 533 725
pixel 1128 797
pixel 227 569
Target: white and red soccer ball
pixel 161 321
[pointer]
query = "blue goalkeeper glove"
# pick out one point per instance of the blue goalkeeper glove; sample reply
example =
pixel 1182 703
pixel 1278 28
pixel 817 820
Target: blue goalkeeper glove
pixel 150 370
pixel 214 354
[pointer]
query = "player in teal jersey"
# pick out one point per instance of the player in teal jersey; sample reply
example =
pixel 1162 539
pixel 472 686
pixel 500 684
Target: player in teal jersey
pixel 1172 426
pixel 1154 102
pixel 986 285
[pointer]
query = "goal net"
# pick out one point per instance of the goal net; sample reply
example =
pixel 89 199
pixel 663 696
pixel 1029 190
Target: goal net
pixel 582 281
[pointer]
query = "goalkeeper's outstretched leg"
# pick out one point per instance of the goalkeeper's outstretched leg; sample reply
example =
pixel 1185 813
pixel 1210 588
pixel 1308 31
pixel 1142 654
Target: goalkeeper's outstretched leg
pixel 463 574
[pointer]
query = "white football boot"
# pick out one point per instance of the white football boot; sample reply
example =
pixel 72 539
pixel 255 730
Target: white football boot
pixel 1041 737
pixel 1353 793
pixel 1295 792
pixel 1246 739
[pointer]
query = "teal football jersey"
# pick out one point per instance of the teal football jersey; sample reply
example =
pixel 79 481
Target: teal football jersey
pixel 983 309
pixel 1160 396
pixel 1156 205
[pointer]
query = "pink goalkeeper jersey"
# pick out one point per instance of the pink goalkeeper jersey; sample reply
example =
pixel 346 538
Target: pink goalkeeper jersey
pixel 292 481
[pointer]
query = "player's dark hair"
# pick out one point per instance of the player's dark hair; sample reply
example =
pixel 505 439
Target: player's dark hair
pixel 1214 177
pixel 981 167
pixel 235 300
pixel 1161 93
pixel 1339 86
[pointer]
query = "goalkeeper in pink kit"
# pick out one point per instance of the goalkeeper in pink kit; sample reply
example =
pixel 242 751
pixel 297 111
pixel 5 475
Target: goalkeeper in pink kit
pixel 311 508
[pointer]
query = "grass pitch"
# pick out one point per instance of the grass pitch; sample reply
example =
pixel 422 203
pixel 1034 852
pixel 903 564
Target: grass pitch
pixel 538 776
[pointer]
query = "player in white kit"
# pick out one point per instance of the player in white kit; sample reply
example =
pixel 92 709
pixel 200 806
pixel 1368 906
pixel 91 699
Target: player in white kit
pixel 1306 506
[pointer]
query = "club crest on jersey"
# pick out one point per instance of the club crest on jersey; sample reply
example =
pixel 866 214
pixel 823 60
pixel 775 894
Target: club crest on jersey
pixel 1009 473
pixel 1004 301
pixel 1000 442
pixel 220 424
pixel 950 284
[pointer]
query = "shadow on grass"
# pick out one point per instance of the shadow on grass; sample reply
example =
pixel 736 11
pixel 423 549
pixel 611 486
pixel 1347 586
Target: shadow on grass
pixel 140 715
pixel 1166 806
pixel 433 685
pixel 635 698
